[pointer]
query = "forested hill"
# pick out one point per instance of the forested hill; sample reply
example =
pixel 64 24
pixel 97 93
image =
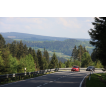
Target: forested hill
pixel 64 47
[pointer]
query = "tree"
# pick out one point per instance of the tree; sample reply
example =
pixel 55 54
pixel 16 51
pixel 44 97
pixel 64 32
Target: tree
pixel 29 63
pixel 93 55
pixel 54 61
pixel 40 60
pixel 68 64
pixel 2 42
pixel 86 60
pixel 5 55
pixel 98 64
pixel 1 63
pixel 60 64
pixel 13 64
pixel 35 59
pixel 45 64
pixel 46 55
pixel 75 53
pixel 98 38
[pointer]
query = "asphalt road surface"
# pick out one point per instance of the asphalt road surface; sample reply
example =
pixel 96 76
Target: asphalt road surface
pixel 57 79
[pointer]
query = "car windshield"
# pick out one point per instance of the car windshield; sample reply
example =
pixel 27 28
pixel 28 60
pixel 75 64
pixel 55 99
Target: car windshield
pixel 75 66
pixel 90 67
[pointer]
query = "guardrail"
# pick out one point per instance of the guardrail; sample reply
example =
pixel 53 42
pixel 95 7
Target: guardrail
pixel 7 77
pixel 80 68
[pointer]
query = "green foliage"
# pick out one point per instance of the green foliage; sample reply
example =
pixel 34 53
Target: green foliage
pixel 68 64
pixel 13 64
pixel 1 63
pixel 40 59
pixel 29 63
pixel 53 62
pixel 63 65
pixel 45 64
pixel 2 42
pixel 60 64
pixel 98 64
pixel 86 60
pixel 98 36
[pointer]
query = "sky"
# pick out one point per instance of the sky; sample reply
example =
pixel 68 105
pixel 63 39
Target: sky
pixel 70 27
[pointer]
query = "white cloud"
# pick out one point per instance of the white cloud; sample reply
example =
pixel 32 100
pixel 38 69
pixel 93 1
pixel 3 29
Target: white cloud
pixel 69 22
pixel 27 27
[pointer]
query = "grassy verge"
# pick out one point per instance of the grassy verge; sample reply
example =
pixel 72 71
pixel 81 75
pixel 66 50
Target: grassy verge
pixel 96 80
pixel 9 80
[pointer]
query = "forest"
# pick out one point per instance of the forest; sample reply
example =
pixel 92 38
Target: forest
pixel 16 56
pixel 64 47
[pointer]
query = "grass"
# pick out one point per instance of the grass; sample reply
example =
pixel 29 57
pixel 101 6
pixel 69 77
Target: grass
pixel 97 80
pixel 14 79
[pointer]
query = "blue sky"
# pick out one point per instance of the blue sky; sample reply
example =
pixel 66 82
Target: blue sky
pixel 70 27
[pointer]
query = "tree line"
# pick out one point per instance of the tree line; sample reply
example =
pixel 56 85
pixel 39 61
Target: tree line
pixel 15 57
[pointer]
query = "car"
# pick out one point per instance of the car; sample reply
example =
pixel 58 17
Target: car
pixel 90 68
pixel 75 68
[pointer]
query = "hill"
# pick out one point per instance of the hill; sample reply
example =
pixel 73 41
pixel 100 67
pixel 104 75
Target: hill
pixel 33 37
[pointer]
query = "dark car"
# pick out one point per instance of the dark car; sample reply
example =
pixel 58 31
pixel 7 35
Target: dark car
pixel 90 68
pixel 75 68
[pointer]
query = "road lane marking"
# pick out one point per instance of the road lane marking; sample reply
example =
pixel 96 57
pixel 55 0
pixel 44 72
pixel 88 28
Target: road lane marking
pixel 39 86
pixel 50 81
pixel 82 81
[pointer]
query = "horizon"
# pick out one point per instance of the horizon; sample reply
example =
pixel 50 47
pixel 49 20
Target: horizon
pixel 45 36
pixel 65 27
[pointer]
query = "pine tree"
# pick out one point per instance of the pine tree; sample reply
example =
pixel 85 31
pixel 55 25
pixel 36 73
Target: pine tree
pixel 54 61
pixel 75 53
pixel 98 38
pixel 40 60
pixel 35 59
pixel 2 42
pixel 13 49
pixel 46 55
pixel 25 49
pixel 20 52
pixel 1 63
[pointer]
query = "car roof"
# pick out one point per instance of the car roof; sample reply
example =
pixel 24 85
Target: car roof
pixel 90 66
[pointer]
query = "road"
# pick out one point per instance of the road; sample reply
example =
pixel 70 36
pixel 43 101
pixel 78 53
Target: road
pixel 57 79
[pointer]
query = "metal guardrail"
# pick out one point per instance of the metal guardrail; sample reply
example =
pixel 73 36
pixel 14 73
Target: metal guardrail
pixel 26 74
pixel 6 77
pixel 80 68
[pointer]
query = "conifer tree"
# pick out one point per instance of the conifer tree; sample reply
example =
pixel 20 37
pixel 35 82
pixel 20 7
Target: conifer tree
pixel 54 61
pixel 40 60
pixel 2 42
pixel 98 38
pixel 75 53
pixel 1 63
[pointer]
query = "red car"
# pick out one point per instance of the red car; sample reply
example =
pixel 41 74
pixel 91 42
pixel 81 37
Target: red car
pixel 75 68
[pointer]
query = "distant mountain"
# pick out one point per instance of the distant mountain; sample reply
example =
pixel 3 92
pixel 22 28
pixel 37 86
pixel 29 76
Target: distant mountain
pixel 32 37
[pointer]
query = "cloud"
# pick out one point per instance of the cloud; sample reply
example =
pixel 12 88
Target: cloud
pixel 27 27
pixel 69 22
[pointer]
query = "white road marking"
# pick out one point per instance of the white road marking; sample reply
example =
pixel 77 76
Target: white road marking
pixel 39 86
pixel 82 81
pixel 50 81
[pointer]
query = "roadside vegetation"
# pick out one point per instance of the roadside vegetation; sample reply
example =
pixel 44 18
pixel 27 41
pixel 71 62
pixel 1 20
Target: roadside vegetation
pixel 96 80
